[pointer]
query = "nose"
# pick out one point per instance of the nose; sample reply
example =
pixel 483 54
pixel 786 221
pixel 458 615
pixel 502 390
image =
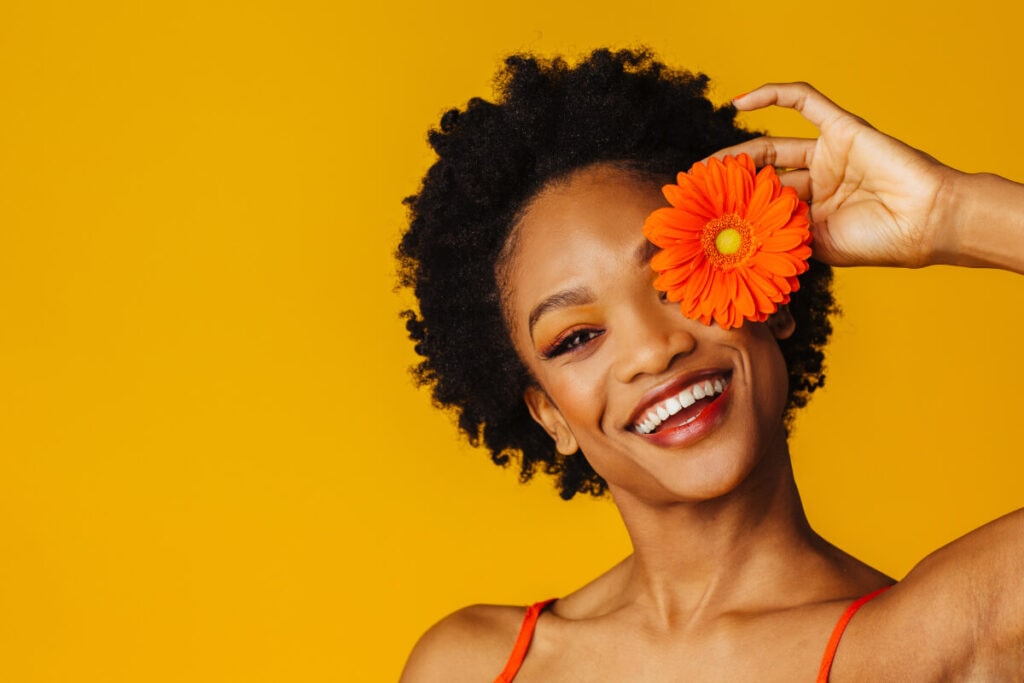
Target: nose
pixel 651 340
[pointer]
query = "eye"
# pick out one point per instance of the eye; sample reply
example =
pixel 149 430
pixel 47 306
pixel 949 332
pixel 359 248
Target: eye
pixel 571 341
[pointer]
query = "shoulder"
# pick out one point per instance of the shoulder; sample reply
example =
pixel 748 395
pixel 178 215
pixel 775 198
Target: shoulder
pixel 471 644
pixel 957 615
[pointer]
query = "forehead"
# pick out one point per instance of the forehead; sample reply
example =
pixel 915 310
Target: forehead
pixel 577 229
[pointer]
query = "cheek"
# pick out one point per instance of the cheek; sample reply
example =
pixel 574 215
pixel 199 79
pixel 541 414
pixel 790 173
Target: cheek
pixel 773 390
pixel 577 395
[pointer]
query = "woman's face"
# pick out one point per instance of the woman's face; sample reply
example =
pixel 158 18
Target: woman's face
pixel 664 407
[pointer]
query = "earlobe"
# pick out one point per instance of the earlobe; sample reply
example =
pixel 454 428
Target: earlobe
pixel 781 323
pixel 547 415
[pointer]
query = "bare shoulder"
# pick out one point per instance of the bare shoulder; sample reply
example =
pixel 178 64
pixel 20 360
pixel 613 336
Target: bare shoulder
pixel 958 615
pixel 471 644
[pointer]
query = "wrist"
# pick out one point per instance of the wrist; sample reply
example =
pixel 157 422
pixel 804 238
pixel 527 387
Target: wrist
pixel 981 224
pixel 949 218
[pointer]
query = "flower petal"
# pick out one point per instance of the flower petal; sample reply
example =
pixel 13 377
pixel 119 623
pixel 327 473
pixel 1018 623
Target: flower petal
pixel 717 186
pixel 741 183
pixel 760 198
pixel 727 287
pixel 783 240
pixel 756 287
pixel 664 226
pixel 691 195
pixel 677 255
pixel 776 214
pixel 776 263
pixel 745 162
pixel 698 282
pixel 778 287
pixel 743 299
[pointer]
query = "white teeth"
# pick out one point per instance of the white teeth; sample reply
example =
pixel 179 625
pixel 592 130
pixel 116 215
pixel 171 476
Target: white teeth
pixel 684 399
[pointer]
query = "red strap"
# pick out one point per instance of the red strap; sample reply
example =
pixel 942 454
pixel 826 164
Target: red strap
pixel 534 611
pixel 837 632
pixel 522 642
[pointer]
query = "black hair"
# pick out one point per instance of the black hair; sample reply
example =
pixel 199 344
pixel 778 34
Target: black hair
pixel 548 120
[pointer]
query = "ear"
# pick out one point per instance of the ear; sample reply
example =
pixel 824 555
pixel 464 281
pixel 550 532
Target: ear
pixel 548 416
pixel 781 323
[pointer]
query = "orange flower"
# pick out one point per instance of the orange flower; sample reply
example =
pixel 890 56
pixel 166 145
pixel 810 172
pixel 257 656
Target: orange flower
pixel 732 243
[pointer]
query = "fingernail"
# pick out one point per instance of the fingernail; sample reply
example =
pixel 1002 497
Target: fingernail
pixel 741 95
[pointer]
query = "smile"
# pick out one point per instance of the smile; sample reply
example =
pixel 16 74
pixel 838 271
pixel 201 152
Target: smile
pixel 702 391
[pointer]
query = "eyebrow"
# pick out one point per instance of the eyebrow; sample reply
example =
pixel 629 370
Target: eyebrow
pixel 577 296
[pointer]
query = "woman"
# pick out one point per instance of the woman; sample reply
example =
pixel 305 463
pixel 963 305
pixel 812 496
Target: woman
pixel 539 323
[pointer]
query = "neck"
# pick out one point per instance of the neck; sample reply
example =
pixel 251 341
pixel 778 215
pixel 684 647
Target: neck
pixel 730 552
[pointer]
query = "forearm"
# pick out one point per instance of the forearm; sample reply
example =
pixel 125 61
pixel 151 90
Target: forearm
pixel 984 223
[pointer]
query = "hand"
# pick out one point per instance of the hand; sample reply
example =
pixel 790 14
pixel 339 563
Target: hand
pixel 874 200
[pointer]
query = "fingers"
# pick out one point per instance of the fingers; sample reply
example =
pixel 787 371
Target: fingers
pixel 802 97
pixel 769 151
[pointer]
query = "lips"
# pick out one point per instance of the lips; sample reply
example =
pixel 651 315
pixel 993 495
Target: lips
pixel 680 403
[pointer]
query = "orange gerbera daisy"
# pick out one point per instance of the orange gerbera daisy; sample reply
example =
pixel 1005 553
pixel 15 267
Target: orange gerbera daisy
pixel 732 243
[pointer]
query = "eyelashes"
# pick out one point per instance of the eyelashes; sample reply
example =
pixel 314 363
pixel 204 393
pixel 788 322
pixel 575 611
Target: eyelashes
pixel 570 342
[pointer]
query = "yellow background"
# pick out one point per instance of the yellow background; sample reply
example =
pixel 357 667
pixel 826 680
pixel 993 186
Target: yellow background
pixel 213 465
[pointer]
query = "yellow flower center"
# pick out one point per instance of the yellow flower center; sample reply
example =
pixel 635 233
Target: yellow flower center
pixel 727 240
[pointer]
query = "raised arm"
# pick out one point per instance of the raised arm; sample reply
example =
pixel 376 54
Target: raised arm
pixel 959 615
pixel 877 201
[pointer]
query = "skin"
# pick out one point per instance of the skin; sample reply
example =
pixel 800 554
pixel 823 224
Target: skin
pixel 727 580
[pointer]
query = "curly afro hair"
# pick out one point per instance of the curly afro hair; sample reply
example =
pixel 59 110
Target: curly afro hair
pixel 548 120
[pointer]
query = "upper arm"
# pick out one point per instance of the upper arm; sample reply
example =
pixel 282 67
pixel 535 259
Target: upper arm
pixel 958 614
pixel 469 645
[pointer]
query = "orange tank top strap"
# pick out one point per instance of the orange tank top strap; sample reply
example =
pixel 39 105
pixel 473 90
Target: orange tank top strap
pixel 534 611
pixel 837 632
pixel 515 661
